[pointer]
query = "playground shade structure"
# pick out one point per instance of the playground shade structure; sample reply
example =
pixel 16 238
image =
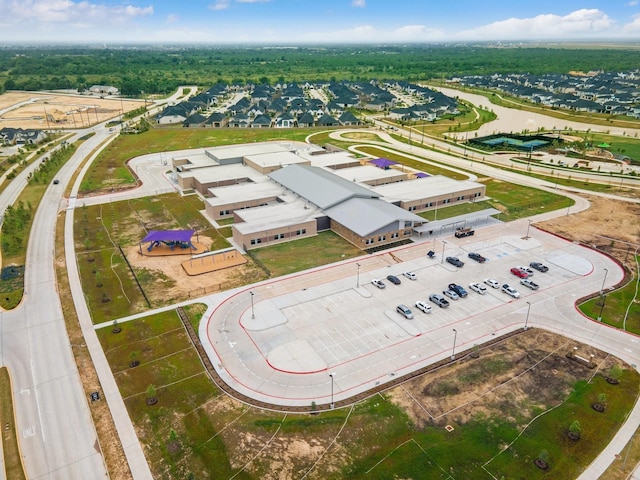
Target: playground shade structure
pixel 170 238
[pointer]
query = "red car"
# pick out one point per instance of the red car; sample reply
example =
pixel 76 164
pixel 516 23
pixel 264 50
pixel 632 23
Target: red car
pixel 519 273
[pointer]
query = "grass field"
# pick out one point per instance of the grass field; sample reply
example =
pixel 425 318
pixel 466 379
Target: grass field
pixel 617 306
pixel 193 429
pixel 10 448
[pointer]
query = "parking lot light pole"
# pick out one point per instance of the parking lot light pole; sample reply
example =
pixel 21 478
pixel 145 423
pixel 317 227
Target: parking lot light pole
pixel 453 351
pixel 358 276
pixel 444 243
pixel 606 271
pixel 602 300
pixel 332 404
pixel 528 227
pixel 527 319
pixel 253 313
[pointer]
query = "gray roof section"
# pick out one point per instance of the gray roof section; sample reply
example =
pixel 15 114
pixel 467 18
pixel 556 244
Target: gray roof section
pixel 318 186
pixel 367 216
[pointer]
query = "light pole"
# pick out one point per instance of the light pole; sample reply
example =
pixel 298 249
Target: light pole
pixel 358 276
pixel 444 243
pixel 253 313
pixel 606 271
pixel 453 351
pixel 602 300
pixel 332 404
pixel 527 319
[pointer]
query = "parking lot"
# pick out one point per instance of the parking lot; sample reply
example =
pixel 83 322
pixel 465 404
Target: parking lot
pixel 280 340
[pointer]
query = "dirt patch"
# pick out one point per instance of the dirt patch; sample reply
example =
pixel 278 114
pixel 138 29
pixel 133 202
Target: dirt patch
pixel 170 281
pixel 51 111
pixel 521 374
pixel 605 226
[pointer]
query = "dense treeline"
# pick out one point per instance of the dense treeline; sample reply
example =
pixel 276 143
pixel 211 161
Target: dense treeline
pixel 138 70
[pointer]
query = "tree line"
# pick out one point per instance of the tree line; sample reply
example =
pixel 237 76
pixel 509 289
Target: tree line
pixel 140 71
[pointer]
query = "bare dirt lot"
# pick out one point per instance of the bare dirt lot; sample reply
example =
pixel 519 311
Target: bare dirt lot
pixel 52 111
pixel 609 225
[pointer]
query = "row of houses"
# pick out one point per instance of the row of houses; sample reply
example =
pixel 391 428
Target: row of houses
pixel 293 105
pixel 613 93
pixel 19 136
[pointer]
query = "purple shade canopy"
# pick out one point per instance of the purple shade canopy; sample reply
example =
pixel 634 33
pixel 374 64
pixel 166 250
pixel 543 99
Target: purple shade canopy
pixel 421 175
pixel 169 236
pixel 383 162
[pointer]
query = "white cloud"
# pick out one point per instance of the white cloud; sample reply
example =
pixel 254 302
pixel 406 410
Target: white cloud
pixel 68 11
pixel 633 27
pixel 359 3
pixel 632 3
pixel 220 5
pixel 369 33
pixel 584 22
pixel 253 1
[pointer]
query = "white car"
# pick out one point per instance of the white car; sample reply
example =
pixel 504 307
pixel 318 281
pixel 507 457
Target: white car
pixel 527 270
pixel 492 283
pixel 410 275
pixel 478 288
pixel 512 292
pixel 378 283
pixel 420 305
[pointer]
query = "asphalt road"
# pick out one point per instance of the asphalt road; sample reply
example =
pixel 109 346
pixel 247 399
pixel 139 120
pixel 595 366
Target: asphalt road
pixel 56 432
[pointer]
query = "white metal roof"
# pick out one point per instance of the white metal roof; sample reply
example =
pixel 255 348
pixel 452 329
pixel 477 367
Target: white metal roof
pixel 319 186
pixel 223 173
pixel 282 158
pixel 260 219
pixel 423 188
pixel 366 216
pixel 258 189
pixel 367 173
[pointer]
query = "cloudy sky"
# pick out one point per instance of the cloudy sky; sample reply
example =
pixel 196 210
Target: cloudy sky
pixel 294 22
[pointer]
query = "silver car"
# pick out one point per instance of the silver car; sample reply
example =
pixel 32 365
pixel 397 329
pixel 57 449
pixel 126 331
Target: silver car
pixel 404 311
pixel 451 294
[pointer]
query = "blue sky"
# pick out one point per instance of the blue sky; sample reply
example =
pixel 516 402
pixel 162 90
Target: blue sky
pixel 295 22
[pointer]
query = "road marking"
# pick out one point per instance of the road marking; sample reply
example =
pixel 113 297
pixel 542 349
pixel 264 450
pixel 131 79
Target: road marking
pixel 25 390
pixel 30 431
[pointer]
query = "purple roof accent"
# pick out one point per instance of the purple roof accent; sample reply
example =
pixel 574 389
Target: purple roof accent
pixel 383 162
pixel 169 236
pixel 422 175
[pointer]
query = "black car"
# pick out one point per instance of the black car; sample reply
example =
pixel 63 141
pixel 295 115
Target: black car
pixel 455 261
pixel 393 279
pixel 459 289
pixel 538 266
pixel 477 257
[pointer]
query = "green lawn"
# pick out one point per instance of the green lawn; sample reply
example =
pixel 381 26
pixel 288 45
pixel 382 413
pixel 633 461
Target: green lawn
pixel 284 258
pixel 617 304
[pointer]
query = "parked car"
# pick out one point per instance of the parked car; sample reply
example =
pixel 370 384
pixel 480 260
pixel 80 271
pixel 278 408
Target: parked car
pixel 527 270
pixel 528 283
pixel 477 257
pixel 459 289
pixel 410 275
pixel 512 292
pixel 464 232
pixel 404 311
pixel 439 300
pixel 455 261
pixel 478 288
pixel 539 266
pixel 56 181
pixel 492 283
pixel 518 272
pixel 423 306
pixel 393 279
pixel 451 294
pixel 378 283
